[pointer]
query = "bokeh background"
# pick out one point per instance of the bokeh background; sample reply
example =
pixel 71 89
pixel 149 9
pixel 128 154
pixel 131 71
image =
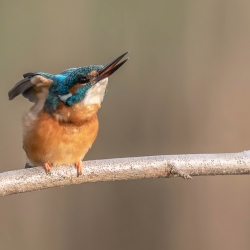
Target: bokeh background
pixel 185 89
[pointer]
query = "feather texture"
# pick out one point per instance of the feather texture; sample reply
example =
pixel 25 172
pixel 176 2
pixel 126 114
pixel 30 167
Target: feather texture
pixel 62 124
pixel 62 140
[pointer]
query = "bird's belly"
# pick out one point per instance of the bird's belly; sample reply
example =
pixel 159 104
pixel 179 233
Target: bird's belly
pixel 47 140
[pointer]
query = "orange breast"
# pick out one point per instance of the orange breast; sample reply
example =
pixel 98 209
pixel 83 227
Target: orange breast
pixel 47 139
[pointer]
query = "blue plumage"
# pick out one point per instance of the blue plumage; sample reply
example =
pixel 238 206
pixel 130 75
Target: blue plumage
pixel 72 76
pixel 59 88
pixel 64 81
pixel 72 98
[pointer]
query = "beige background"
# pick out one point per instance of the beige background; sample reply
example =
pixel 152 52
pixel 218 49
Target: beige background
pixel 185 89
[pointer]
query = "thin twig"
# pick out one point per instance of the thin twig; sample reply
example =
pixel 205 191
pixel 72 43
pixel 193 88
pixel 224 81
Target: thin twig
pixel 25 180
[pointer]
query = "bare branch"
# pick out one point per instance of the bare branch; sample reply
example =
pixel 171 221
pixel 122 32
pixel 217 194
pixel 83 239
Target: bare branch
pixel 25 180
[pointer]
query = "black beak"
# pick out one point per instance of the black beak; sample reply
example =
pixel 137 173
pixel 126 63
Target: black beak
pixel 111 67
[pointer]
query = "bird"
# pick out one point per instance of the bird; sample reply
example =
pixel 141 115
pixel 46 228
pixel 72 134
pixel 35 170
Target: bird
pixel 62 125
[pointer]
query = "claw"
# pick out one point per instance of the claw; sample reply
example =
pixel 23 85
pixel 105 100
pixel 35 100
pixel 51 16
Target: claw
pixel 79 168
pixel 47 167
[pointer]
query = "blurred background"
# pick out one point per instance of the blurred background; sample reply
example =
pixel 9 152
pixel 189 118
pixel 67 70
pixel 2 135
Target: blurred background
pixel 185 89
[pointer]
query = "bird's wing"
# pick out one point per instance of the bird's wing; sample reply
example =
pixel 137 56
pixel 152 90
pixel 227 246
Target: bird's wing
pixel 31 86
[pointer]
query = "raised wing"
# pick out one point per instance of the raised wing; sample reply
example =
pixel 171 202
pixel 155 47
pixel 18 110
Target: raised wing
pixel 34 86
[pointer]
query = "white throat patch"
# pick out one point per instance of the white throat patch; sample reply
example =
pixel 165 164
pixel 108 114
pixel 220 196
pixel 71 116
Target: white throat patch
pixel 96 93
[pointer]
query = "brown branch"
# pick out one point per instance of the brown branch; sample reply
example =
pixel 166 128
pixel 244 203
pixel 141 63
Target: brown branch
pixel 25 180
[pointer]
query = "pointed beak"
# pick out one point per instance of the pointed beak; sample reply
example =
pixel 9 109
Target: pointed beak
pixel 111 67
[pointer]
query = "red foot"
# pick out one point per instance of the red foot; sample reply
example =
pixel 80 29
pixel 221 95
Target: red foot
pixel 79 168
pixel 47 167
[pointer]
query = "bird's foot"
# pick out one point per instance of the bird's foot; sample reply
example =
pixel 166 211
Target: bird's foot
pixel 79 168
pixel 47 167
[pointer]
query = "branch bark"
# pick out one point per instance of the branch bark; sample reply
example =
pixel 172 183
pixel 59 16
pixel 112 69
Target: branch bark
pixel 164 166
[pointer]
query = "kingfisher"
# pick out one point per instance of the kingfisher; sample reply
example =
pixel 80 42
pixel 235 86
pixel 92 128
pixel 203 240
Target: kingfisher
pixel 62 125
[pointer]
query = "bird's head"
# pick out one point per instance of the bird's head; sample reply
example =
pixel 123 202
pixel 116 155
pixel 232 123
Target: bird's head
pixel 86 85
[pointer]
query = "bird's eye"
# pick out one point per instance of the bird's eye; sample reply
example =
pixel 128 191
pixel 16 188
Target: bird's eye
pixel 83 79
